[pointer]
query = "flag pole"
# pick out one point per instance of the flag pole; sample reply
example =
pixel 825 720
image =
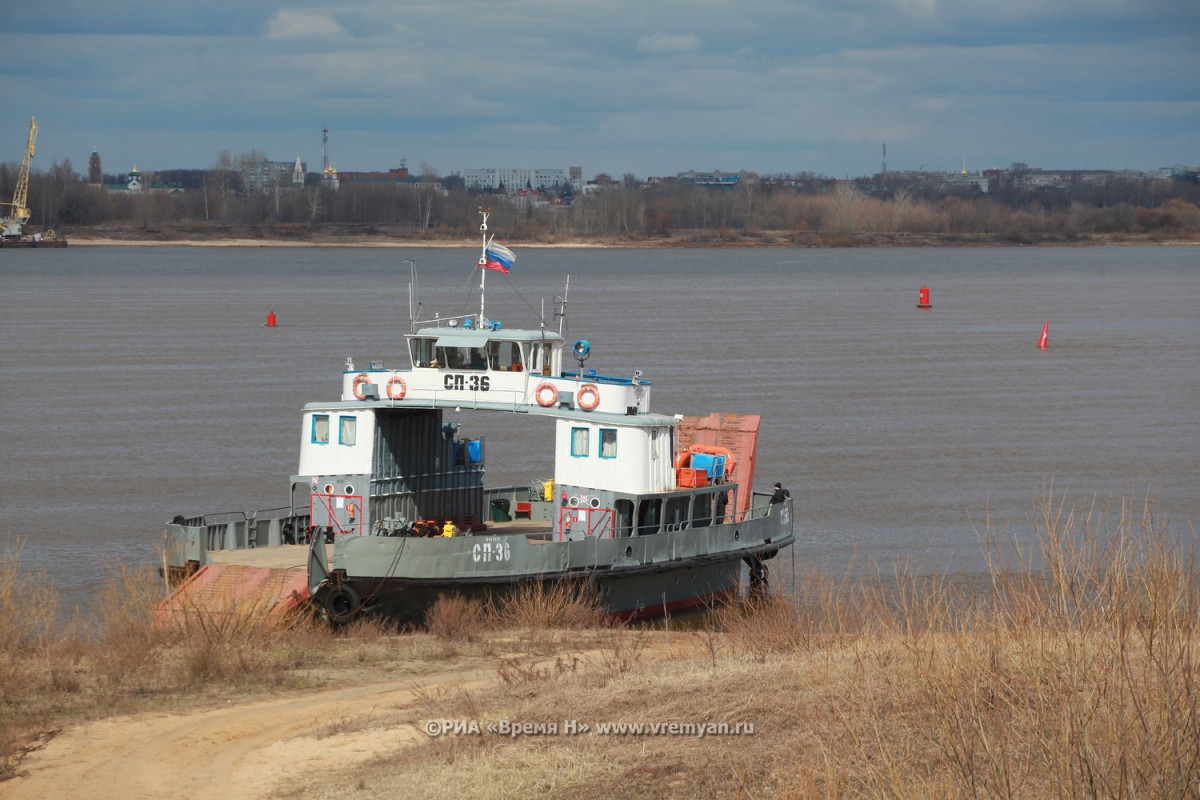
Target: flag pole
pixel 483 262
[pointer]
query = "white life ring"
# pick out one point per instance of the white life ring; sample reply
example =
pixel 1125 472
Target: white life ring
pixel 546 394
pixel 396 388
pixel 588 397
pixel 361 380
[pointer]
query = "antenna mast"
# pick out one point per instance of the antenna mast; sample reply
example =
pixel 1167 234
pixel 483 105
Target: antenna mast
pixel 560 309
pixel 483 261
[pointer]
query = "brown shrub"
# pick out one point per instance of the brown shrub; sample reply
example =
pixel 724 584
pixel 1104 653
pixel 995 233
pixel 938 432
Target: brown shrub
pixel 456 618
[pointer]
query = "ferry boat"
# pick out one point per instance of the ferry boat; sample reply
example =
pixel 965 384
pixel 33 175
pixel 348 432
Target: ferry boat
pixel 647 513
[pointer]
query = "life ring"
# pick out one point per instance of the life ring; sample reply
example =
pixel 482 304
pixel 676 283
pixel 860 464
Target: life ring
pixel 682 459
pixel 588 397
pixel 361 380
pixel 715 450
pixel 546 394
pixel 396 388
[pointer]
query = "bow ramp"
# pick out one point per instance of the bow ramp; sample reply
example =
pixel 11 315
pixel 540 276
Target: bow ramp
pixel 227 595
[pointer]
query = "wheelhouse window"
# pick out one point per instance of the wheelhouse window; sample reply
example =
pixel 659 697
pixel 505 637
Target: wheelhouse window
pixel 347 430
pixel 579 442
pixel 320 429
pixel 541 357
pixel 505 356
pixel 422 352
pixel 461 358
pixel 608 442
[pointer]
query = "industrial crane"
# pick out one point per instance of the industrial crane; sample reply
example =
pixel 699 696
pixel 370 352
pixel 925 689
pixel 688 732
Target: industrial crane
pixel 14 221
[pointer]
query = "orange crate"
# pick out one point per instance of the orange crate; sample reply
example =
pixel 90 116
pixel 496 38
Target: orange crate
pixel 688 478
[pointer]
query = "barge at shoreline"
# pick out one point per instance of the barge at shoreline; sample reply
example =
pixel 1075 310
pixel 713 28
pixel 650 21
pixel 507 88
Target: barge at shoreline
pixel 388 510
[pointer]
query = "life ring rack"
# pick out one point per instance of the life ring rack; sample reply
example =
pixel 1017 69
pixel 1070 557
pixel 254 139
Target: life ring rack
pixel 361 380
pixel 546 394
pixel 396 388
pixel 588 397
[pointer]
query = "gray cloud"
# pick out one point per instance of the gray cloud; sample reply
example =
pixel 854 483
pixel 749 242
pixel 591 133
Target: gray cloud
pixel 771 85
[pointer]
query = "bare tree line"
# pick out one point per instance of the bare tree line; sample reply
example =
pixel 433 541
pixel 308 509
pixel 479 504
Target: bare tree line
pixel 440 208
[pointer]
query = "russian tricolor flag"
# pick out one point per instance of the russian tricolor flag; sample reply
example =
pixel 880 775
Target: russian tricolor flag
pixel 498 257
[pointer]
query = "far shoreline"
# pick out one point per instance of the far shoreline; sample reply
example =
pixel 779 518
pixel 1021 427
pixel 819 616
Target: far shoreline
pixel 778 241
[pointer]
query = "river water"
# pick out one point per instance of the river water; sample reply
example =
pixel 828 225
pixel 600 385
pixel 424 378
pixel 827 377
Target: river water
pixel 141 382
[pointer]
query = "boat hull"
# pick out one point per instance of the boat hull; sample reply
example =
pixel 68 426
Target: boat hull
pixel 31 243
pixel 630 578
pixel 627 595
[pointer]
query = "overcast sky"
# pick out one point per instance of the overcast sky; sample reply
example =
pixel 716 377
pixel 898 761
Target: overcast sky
pixel 649 87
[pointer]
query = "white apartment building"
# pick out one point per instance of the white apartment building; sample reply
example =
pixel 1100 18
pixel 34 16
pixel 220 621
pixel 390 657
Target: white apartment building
pixel 513 178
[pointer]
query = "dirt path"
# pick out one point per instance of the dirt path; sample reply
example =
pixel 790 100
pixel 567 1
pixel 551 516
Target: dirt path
pixel 240 750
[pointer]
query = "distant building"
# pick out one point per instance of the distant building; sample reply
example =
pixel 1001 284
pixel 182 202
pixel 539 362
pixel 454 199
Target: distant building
pixel 263 175
pixel 133 183
pixel 1027 178
pixel 714 178
pixel 329 176
pixel 399 176
pixel 95 173
pixel 492 179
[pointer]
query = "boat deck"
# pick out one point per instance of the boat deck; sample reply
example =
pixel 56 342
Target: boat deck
pixel 534 530
pixel 296 555
pixel 284 556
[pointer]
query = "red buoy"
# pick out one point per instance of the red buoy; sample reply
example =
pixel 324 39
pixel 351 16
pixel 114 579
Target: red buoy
pixel 271 319
pixel 923 298
pixel 1044 342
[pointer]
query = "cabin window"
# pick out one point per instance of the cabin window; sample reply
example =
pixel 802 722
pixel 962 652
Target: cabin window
pixel 422 352
pixel 579 442
pixel 677 513
pixel 462 357
pixel 624 521
pixel 505 356
pixel 649 517
pixel 540 358
pixel 702 511
pixel 320 429
pixel 347 430
pixel 608 442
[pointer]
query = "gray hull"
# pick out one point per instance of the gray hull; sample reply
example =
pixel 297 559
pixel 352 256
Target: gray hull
pixel 631 577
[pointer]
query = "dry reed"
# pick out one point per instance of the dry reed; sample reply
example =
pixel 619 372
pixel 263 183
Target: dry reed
pixel 1071 673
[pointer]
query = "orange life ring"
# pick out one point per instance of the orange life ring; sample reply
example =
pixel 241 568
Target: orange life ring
pixel 682 459
pixel 546 394
pixel 396 388
pixel 715 450
pixel 361 380
pixel 590 391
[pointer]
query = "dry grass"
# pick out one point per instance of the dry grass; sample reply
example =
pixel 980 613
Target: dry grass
pixel 540 606
pixel 1072 673
pixel 455 618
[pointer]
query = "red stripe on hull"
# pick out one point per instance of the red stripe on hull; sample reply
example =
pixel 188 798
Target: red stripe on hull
pixel 661 610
